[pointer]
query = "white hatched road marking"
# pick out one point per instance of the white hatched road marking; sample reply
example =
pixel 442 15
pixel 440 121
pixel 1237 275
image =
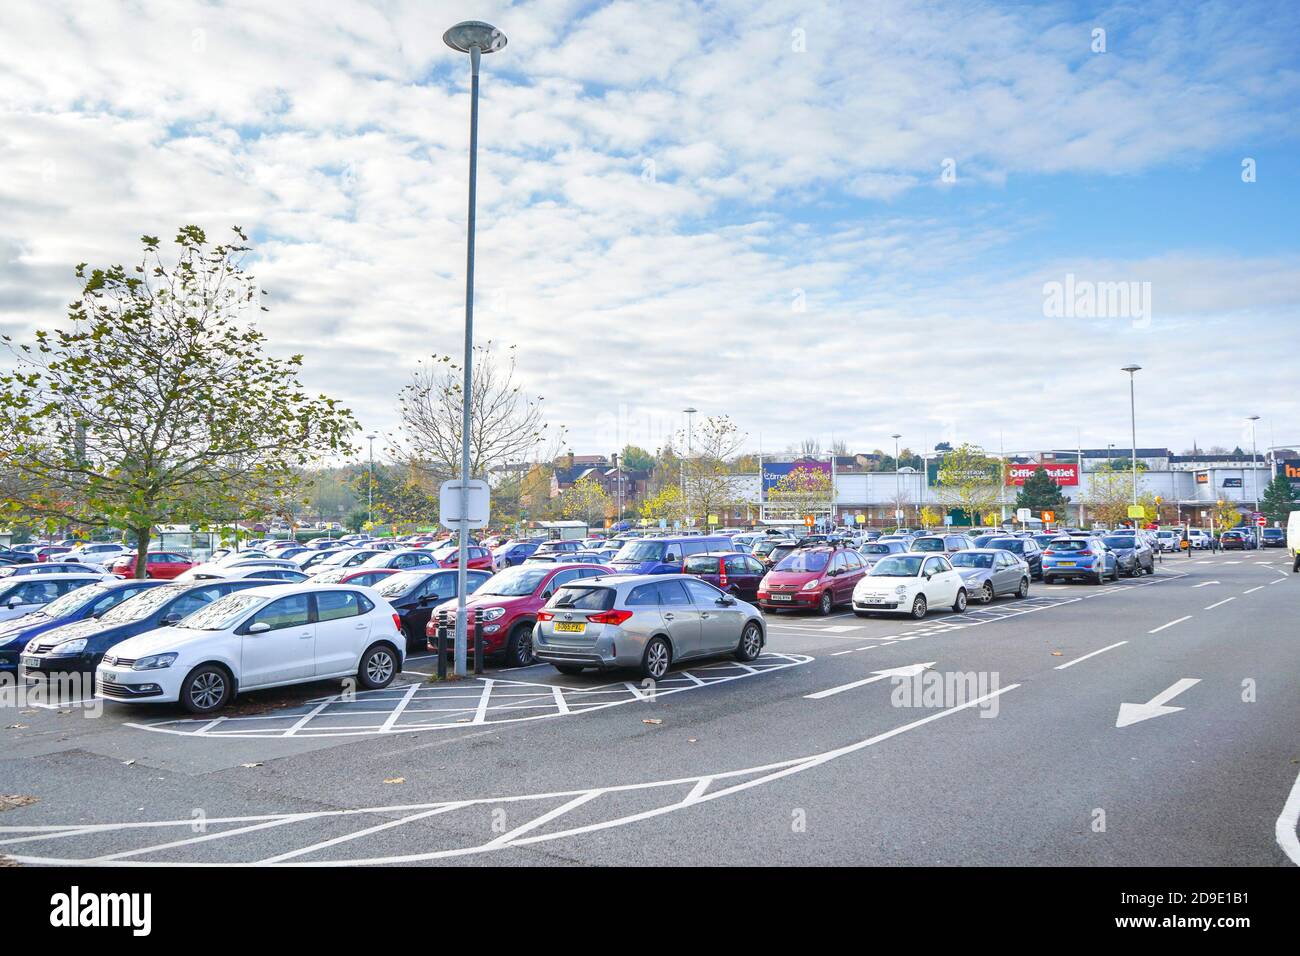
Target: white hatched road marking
pixel 423 706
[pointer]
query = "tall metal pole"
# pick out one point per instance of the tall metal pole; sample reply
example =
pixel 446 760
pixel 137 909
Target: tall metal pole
pixel 690 424
pixel 370 484
pixel 1132 411
pixel 475 38
pixel 898 489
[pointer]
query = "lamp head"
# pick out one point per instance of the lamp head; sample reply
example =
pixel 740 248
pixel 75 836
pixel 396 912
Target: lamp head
pixel 474 33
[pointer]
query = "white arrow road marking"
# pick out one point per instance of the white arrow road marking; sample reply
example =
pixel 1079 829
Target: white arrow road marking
pixel 911 670
pixel 1285 830
pixel 1155 707
pixel 1203 584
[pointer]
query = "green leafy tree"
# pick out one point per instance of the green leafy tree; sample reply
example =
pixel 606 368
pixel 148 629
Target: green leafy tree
pixel 585 500
pixel 1040 493
pixel 667 504
pixel 634 458
pixel 157 403
pixel 1278 500
pixel 970 480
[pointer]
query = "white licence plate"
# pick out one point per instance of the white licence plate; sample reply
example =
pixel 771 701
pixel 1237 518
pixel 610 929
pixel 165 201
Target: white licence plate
pixel 781 597
pixel 31 662
pixel 109 675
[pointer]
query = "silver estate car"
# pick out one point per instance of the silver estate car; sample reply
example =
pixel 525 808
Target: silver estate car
pixel 644 621
pixel 991 572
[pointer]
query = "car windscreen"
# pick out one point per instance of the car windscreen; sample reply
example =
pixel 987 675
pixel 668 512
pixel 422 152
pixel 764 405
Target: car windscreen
pixel 515 582
pixel 75 600
pixel 967 559
pixel 876 549
pixel 583 598
pixel 804 561
pixel 898 566
pixel 1015 545
pixel 403 582
pixel 927 544
pixel 640 551
pixel 221 613
pixel 143 604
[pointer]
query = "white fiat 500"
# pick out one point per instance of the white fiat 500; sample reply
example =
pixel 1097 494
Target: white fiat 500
pixel 258 638
pixel 909 583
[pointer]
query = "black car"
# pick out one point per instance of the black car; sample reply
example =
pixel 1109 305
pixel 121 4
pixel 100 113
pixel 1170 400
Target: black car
pixel 10 556
pixel 1133 556
pixel 81 645
pixel 1026 548
pixel 415 593
pixel 1274 538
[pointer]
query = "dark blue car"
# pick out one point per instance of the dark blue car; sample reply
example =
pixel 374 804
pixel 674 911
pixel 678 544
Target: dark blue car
pixel 512 553
pixel 90 601
pixel 80 645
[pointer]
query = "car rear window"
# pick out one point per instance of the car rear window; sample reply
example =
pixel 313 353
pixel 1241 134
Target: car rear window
pixel 583 598
pixel 1069 544
pixel 702 564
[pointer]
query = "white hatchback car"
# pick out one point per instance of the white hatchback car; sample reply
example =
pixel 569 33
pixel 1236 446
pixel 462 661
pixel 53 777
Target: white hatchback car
pixel 258 638
pixel 910 583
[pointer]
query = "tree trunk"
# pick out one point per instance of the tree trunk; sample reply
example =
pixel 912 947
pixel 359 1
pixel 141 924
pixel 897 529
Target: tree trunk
pixel 142 551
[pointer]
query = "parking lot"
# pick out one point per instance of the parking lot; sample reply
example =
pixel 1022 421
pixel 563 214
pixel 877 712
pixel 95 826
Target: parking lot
pixel 1150 721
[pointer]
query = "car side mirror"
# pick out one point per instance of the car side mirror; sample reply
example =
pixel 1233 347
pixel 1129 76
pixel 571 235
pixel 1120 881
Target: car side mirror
pixel 14 602
pixel 261 627
pixel 672 559
pixel 726 600
pixel 170 619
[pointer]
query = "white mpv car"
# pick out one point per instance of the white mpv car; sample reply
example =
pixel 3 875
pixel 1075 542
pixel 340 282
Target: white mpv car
pixel 909 583
pixel 258 638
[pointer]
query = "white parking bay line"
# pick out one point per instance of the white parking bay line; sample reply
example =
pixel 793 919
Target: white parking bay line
pixel 397 711
pixel 1157 630
pixel 1220 603
pixel 1253 590
pixel 480 713
pixel 1061 667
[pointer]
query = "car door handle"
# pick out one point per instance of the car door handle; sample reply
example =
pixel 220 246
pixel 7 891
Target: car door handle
pixel 361 625
pixel 668 617
pixel 305 635
pixel 704 614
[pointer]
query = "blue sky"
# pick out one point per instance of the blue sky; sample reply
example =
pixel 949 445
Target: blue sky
pixel 736 205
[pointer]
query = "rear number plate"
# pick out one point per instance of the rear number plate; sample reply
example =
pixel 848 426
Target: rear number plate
pixel 569 627
pixel 1067 564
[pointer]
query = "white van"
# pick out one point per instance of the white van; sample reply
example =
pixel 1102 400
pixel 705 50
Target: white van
pixel 1293 534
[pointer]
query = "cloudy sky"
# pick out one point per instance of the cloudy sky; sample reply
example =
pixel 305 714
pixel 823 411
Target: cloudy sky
pixel 827 219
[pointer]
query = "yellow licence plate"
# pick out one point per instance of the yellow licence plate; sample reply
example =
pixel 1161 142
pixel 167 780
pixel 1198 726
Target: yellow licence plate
pixel 569 627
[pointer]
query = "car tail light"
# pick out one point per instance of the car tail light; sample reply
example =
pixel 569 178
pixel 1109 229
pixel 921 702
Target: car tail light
pixel 397 622
pixel 1084 553
pixel 722 575
pixel 609 617
pixel 545 616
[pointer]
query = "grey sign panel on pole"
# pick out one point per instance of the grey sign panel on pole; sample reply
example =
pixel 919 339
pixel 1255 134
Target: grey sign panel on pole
pixel 476 500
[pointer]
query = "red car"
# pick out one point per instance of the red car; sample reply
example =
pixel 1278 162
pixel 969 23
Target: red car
pixel 480 559
pixel 817 578
pixel 736 573
pixel 510 602
pixel 158 564
pixel 51 552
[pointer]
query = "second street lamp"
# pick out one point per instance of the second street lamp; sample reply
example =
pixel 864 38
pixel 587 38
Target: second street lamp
pixel 475 38
pixel 1132 411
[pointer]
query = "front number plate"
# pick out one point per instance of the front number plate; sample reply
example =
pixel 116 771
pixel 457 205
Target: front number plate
pixel 782 597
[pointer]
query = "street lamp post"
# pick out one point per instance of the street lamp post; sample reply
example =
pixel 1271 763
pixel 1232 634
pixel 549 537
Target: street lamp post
pixel 1132 411
pixel 370 483
pixel 690 424
pixel 475 38
pixel 898 488
pixel 1254 468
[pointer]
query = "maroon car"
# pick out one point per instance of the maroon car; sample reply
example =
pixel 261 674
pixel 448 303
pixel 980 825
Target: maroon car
pixel 736 573
pixel 510 601
pixel 158 564
pixel 812 578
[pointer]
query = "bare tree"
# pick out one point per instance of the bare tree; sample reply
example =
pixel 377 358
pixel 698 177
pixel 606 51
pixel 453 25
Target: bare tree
pixel 506 426
pixel 712 485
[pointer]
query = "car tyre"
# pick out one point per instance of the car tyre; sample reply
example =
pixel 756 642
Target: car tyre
pixel 919 607
pixel 959 605
pixel 826 604
pixel 656 660
pixel 751 643
pixel 519 648
pixel 207 689
pixel 378 667
pixel 1023 591
pixel 986 594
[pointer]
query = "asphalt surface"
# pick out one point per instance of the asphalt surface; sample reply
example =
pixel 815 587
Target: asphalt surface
pixel 1008 752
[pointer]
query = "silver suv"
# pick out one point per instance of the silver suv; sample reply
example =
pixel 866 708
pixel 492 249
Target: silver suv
pixel 644 621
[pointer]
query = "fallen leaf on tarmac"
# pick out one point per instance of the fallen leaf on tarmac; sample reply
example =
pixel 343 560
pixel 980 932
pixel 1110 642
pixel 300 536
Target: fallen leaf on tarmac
pixel 250 766
pixel 128 762
pixel 15 727
pixel 395 780
pixel 652 720
pixel 8 801
pixel 1056 653
pixel 690 740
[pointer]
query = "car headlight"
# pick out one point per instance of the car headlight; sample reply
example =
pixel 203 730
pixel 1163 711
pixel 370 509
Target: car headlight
pixel 901 589
pixel 812 585
pixel 68 648
pixel 493 613
pixel 154 662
